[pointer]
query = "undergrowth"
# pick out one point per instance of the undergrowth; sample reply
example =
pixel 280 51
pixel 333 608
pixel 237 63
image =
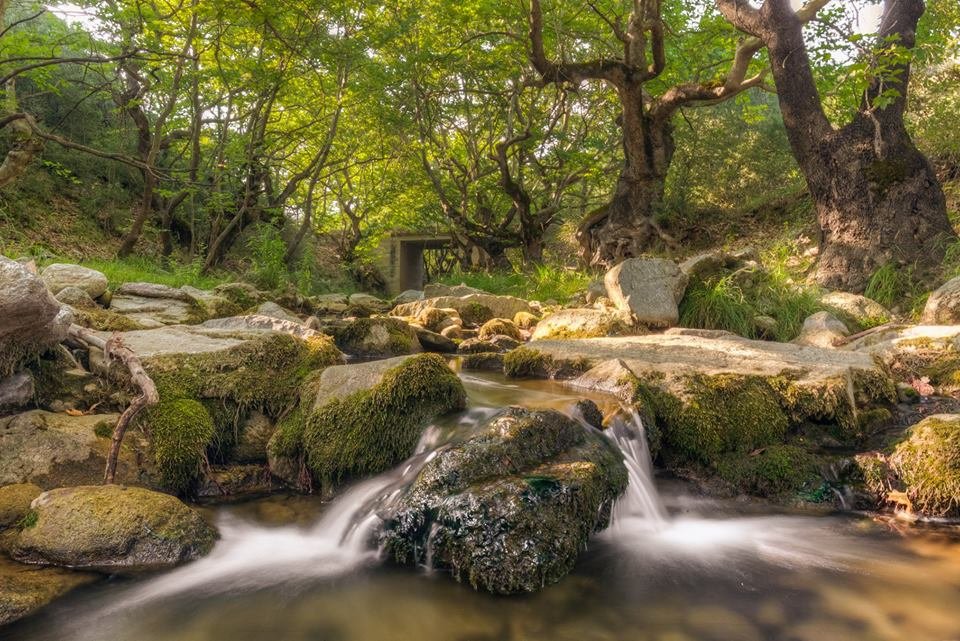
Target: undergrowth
pixel 542 282
pixel 137 269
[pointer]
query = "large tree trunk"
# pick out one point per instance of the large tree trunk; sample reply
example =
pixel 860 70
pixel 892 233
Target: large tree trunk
pixel 874 210
pixel 627 226
pixel 877 197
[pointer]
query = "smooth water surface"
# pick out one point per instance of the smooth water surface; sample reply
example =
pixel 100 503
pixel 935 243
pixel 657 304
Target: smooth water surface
pixel 672 567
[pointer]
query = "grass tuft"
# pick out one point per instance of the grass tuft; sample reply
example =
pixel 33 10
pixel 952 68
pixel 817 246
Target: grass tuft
pixel 542 282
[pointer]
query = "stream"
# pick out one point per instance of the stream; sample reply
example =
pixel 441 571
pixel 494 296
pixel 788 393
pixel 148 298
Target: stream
pixel 672 567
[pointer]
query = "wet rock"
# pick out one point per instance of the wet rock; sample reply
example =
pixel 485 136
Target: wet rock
pixel 499 344
pixel 822 329
pixel 433 342
pixel 59 276
pixel 254 435
pixel 76 298
pixel 510 509
pixel 583 323
pixel 588 411
pixel 52 450
pixel 649 288
pixel 31 320
pixel 377 337
pixel 236 481
pixel 24 589
pixel 482 361
pixel 363 418
pixel 499 327
pixel 16 390
pixel 15 502
pixel 112 529
pixel 857 312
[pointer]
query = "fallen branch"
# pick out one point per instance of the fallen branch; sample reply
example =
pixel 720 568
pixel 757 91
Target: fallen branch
pixel 868 332
pixel 114 349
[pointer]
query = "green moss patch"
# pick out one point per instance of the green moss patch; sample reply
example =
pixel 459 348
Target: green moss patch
pixel 524 362
pixel 928 464
pixel 772 471
pixel 180 431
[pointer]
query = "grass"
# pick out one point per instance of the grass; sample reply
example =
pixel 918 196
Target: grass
pixel 732 302
pixel 542 282
pixel 136 269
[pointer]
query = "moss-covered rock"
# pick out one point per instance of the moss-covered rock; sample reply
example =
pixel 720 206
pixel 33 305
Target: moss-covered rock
pixel 482 361
pixel 112 529
pixel 525 320
pixel 771 471
pixel 510 509
pixel 180 430
pixel 703 417
pixel 15 502
pixel 499 327
pixel 584 323
pixel 927 463
pixel 377 337
pixel 530 363
pixel 365 418
pixel 243 295
pixel 104 320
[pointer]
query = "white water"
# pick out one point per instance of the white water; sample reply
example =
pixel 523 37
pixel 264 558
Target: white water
pixel 640 506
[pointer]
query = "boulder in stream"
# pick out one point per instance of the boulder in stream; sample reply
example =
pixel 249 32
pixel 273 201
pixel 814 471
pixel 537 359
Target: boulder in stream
pixel 112 529
pixel 510 509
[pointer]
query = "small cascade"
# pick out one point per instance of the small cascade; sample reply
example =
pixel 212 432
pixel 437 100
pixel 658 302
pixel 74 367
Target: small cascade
pixel 641 502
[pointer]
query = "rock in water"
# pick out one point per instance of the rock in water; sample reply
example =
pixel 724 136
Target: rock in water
pixel 111 529
pixel 31 320
pixel 650 288
pixel 377 337
pixel 59 276
pixel 509 509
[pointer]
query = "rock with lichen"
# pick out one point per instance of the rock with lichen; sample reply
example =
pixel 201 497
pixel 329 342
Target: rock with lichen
pixel 24 589
pixel 649 288
pixel 112 529
pixel 360 419
pixel 583 323
pixel 474 309
pixel 510 509
pixel 499 327
pixel 59 276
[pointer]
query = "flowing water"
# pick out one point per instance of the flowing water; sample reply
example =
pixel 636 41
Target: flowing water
pixel 672 567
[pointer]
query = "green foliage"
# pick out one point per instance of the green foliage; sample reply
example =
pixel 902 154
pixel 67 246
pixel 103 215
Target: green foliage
pixel 267 250
pixel 542 282
pixel 928 463
pixel 888 285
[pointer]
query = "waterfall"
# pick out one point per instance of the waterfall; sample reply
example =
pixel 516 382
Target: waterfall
pixel 641 502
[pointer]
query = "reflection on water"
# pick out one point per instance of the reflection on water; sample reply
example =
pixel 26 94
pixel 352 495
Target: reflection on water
pixel 706 572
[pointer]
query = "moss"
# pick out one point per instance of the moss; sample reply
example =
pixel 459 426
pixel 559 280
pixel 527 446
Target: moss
pixel 15 502
pixel 103 429
pixel 870 421
pixel 29 520
pixel 928 463
pixel 242 295
pixel 873 472
pixel 265 373
pixel 525 320
pixel 829 401
pixel 944 371
pixel 703 417
pixel 371 430
pixel 105 320
pixel 525 362
pixel 774 470
pixel 180 431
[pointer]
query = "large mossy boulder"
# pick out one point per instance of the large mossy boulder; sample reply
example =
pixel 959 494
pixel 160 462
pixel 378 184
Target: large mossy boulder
pixel 15 502
pixel 112 529
pixel 649 288
pixel 377 337
pixel 510 509
pixel 857 312
pixel 364 418
pixel 927 463
pixel 31 319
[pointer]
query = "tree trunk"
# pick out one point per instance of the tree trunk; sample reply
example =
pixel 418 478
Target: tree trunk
pixel 877 197
pixel 875 210
pixel 627 226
